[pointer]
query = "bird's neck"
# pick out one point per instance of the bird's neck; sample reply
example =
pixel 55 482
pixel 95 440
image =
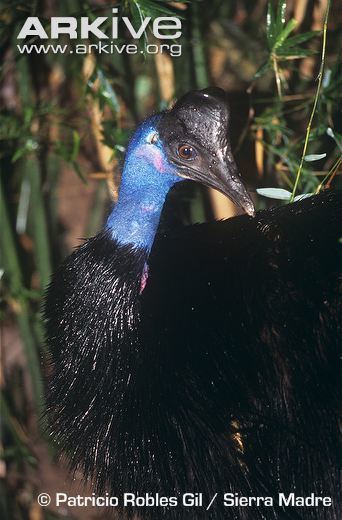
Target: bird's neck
pixel 135 217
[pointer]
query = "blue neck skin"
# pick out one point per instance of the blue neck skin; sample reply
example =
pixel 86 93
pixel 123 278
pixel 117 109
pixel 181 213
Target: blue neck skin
pixel 146 179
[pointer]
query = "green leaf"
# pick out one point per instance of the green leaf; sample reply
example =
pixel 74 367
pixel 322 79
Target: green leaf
pixel 301 38
pixel 314 157
pixel 107 93
pixel 28 114
pixel 285 33
pixel 138 15
pixel 270 25
pixel 280 19
pixel 326 78
pixel 79 172
pixel 75 145
pixel 335 136
pixel 302 196
pixel 274 193
pixel 141 9
pixel 294 53
pixel 30 146
pixel 152 8
pixel 262 70
pixel 19 153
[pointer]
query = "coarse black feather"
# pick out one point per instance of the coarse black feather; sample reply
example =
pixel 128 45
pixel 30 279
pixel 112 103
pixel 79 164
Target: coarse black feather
pixel 220 377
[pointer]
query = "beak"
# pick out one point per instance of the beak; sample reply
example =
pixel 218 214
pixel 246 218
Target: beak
pixel 224 177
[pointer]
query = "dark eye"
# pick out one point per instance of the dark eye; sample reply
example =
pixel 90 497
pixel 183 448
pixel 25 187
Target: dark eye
pixel 186 151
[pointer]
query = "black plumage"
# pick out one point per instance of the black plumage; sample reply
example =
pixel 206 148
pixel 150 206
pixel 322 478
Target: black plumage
pixel 220 376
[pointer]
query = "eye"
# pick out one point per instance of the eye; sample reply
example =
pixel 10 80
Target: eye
pixel 154 138
pixel 186 151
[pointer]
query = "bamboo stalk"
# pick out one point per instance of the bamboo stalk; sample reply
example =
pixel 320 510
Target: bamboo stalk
pixel 318 90
pixel 166 76
pixel 97 210
pixel 222 206
pixel 107 162
pixel 13 274
pixel 200 68
pixel 39 223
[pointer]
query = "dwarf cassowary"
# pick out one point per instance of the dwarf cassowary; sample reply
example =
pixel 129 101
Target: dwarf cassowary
pixel 204 360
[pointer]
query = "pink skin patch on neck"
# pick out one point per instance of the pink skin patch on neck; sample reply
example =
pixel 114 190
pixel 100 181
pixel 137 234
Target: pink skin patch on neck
pixel 153 155
pixel 148 208
pixel 144 278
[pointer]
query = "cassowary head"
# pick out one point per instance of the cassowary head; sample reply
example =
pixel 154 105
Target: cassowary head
pixel 196 140
pixel 190 142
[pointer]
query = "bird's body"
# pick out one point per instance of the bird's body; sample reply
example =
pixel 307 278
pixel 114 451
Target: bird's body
pixel 218 375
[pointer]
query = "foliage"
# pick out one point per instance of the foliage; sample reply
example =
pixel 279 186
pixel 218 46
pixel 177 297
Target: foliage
pixel 282 50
